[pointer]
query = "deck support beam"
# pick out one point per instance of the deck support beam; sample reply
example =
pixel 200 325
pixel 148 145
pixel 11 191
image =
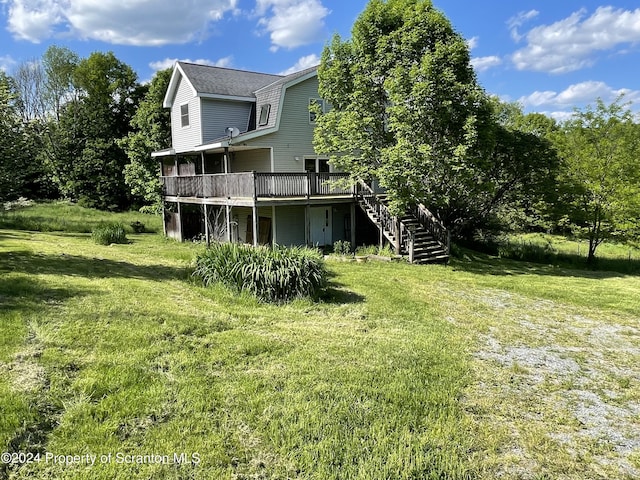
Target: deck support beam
pixel 206 225
pixel 307 224
pixel 254 219
pixel 352 220
pixel 180 237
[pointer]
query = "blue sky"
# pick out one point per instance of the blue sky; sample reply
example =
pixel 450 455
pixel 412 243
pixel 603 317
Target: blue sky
pixel 548 55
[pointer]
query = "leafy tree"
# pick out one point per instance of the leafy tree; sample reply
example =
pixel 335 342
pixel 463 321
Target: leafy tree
pixel 151 126
pixel 88 162
pixel 600 174
pixel 15 148
pixel 59 63
pixel 521 181
pixel 407 110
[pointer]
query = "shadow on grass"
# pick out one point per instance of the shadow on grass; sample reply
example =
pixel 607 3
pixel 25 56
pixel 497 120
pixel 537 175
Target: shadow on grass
pixel 29 294
pixel 336 293
pixel 333 294
pixel 483 264
pixel 36 263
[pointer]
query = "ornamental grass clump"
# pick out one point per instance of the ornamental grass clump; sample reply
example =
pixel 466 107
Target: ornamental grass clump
pixel 272 274
pixel 109 233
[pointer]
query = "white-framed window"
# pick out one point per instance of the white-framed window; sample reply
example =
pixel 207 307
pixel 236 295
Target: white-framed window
pixel 264 114
pixel 184 115
pixel 315 104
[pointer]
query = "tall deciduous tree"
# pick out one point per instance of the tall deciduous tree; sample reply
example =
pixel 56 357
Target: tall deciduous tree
pixel 59 64
pixel 151 126
pixel 88 161
pixel 600 172
pixel 406 107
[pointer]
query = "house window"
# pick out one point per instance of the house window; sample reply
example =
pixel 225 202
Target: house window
pixel 316 165
pixel 264 114
pixel 316 107
pixel 184 115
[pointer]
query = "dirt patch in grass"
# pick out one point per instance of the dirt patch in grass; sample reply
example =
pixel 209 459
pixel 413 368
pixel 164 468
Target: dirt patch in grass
pixel 557 391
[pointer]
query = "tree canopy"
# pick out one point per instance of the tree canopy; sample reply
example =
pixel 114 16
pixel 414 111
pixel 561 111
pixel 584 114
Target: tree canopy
pixel 152 131
pixel 86 158
pixel 599 176
pixel 407 110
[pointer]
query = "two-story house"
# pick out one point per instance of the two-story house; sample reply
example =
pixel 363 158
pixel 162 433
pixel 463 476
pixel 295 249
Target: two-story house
pixel 242 168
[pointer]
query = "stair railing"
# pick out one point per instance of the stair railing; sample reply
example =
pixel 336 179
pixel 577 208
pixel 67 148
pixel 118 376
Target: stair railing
pixel 386 220
pixel 432 225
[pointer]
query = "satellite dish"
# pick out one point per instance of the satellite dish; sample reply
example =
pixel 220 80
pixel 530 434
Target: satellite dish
pixel 232 132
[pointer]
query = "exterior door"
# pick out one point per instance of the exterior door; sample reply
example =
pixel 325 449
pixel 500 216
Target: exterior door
pixel 320 223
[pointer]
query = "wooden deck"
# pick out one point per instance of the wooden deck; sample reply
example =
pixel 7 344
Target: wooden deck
pixel 252 188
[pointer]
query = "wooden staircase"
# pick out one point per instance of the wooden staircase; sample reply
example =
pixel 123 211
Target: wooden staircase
pixel 418 234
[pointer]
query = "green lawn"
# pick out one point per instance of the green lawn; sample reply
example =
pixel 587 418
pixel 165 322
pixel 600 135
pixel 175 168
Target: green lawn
pixel 486 368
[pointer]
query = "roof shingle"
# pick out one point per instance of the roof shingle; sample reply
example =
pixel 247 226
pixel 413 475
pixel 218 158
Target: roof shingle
pixel 226 81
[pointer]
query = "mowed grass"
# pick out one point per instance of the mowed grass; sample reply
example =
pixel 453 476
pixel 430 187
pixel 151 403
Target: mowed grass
pixel 64 216
pixel 482 369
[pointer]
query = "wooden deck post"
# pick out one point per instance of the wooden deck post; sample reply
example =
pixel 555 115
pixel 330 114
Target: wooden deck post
pixel 206 225
pixel 256 233
pixel 352 215
pixel 164 217
pixel 274 231
pixel 307 224
pixel 228 219
pixel 398 236
pixel 180 223
pixel 226 160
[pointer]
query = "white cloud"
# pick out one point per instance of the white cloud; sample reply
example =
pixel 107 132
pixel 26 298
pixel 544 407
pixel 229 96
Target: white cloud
pixel 225 62
pixel 292 23
pixel 7 63
pixel 579 94
pixel 485 63
pixel 516 22
pixel 570 44
pixel 473 42
pixel 302 63
pixel 560 116
pixel 134 22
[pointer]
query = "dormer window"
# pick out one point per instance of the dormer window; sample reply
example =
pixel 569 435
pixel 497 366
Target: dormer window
pixel 316 107
pixel 264 114
pixel 184 115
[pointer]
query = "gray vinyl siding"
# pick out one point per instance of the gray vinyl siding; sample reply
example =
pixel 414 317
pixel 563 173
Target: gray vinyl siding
pixel 185 138
pixel 269 96
pixel 217 115
pixel 294 138
pixel 290 226
pixel 252 161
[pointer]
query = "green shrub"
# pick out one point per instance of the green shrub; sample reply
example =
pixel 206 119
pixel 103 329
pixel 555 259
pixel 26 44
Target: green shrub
pixel 109 233
pixel 342 247
pixel 138 227
pixel 365 250
pixel 528 252
pixel 271 274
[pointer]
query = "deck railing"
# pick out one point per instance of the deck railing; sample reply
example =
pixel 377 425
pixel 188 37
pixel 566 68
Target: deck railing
pixel 258 185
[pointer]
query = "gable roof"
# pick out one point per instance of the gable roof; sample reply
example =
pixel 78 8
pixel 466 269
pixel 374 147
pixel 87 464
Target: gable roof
pixel 217 82
pixel 273 94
